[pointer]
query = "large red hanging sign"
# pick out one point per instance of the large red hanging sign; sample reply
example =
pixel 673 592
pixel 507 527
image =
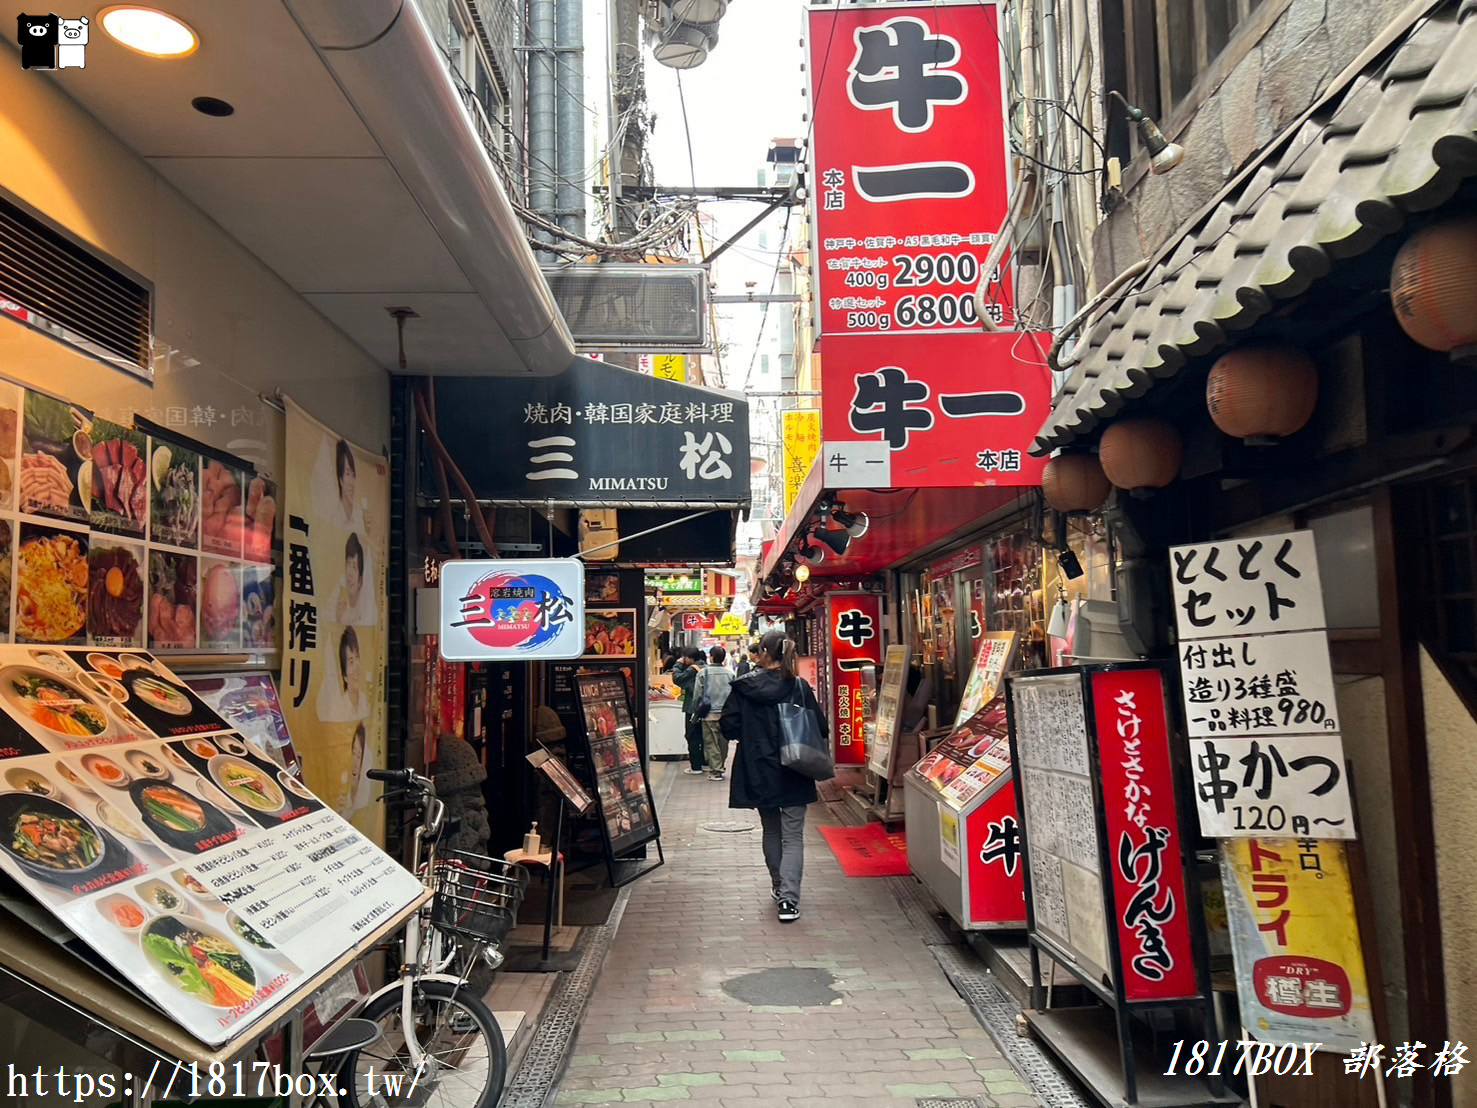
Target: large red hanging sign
pixel 855 625
pixel 909 160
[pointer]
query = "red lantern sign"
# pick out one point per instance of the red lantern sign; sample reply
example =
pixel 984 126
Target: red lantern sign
pixel 855 624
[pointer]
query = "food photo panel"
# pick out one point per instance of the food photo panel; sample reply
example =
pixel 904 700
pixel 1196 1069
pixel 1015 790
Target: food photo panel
pixel 255 785
pixel 258 607
pixel 51 585
pixel 117 476
pixel 173 599
pixel 115 592
pixel 10 415
pixel 220 605
pixel 56 441
pixel 222 508
pixel 174 499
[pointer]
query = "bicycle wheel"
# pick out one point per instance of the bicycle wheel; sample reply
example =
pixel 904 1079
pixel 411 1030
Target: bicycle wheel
pixel 467 1059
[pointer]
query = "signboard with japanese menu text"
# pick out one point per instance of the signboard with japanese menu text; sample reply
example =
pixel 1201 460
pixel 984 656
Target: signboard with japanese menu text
pixel 180 851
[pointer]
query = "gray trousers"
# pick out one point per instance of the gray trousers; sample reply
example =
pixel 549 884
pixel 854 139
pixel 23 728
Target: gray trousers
pixel 784 848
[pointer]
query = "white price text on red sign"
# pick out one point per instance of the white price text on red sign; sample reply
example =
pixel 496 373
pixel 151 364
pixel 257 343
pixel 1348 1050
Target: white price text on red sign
pixel 1258 685
pixel 909 163
pixel 1286 787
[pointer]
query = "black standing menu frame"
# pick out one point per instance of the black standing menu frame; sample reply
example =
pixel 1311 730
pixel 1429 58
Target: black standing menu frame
pixel 621 789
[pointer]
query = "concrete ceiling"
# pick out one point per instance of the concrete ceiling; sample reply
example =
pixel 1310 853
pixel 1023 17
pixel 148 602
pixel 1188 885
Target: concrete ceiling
pixel 298 178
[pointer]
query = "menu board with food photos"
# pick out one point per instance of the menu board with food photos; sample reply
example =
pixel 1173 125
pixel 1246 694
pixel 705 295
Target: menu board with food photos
pixel 626 811
pixel 175 847
pixel 114 538
pixel 971 758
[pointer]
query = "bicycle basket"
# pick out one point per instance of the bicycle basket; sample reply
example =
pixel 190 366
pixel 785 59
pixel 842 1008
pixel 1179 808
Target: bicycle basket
pixel 477 897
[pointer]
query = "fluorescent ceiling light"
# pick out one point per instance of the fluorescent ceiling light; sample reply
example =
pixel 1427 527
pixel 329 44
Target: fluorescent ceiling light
pixel 149 31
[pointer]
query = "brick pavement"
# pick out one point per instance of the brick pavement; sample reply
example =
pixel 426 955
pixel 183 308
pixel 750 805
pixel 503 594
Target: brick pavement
pixel 659 1026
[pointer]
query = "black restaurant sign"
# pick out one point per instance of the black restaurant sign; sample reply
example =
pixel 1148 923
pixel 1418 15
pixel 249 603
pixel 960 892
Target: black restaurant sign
pixel 599 435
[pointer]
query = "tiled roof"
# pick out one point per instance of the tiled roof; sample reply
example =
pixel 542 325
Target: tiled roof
pixel 1402 139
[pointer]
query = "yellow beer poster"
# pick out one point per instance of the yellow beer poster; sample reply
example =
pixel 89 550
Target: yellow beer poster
pixel 1295 938
pixel 335 544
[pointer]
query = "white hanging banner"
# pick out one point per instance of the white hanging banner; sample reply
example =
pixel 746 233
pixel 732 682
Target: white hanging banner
pixel 1279 787
pixel 1250 586
pixel 1258 685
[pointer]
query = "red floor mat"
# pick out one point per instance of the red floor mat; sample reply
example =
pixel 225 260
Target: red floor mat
pixel 868 851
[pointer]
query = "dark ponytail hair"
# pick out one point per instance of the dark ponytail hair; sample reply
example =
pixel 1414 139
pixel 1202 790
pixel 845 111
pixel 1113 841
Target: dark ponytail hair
pixel 781 650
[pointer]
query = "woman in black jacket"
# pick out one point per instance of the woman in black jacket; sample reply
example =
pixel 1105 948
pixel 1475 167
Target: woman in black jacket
pixel 751 719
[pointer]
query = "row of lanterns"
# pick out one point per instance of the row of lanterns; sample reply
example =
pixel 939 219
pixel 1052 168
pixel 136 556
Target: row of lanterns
pixel 1264 393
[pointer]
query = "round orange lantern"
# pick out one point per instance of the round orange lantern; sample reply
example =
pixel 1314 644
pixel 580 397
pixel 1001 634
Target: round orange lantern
pixel 1074 483
pixel 1267 391
pixel 1433 285
pixel 1141 454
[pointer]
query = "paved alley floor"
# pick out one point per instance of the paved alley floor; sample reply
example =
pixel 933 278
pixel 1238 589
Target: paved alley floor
pixel 705 996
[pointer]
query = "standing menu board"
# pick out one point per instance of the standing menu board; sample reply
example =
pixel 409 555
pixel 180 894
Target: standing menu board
pixel 626 810
pixel 881 730
pixel 184 855
pixel 1053 766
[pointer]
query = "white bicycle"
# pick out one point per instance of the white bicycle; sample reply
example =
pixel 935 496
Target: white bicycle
pixel 439 1044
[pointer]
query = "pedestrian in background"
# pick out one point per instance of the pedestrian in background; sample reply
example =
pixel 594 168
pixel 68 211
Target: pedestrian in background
pixel 749 660
pixel 760 780
pixel 713 688
pixel 684 676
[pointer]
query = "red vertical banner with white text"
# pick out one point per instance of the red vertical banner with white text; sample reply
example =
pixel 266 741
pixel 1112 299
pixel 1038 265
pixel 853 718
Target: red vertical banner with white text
pixel 1144 840
pixel 854 623
pixel 908 164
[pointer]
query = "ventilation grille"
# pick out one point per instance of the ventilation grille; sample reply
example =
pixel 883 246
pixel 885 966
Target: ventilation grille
pixel 62 288
pixel 644 307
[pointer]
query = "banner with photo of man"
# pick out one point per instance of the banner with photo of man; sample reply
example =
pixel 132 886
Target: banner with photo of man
pixel 335 543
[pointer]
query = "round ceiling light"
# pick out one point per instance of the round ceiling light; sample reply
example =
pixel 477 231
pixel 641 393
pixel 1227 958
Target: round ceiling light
pixel 149 31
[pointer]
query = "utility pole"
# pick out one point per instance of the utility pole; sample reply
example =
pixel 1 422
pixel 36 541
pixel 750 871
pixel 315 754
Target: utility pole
pixel 630 97
pixel 570 67
pixel 543 129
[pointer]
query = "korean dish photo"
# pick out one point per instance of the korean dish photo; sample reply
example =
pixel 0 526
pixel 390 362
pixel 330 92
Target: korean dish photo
pixel 146 765
pixel 247 785
pixel 5 576
pixel 52 703
pixel 202 748
pixel 292 784
pixel 162 898
pixel 29 781
pixel 172 595
pixel 200 962
pixel 115 596
pixel 48 837
pixel 247 932
pixel 105 665
pixel 222 512
pixel 179 763
pixel 51 586
pixel 188 882
pixel 9 424
pixel 170 808
pixel 220 605
pixel 260 519
pixel 106 770
pixel 611 635
pixel 258 608
pixel 162 696
pixel 57 443
pixel 119 479
pixel 117 820
pixel 175 506
pixel 233 746
pixel 70 777
pixel 122 911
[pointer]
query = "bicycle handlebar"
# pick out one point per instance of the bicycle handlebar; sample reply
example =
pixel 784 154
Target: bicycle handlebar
pixel 393 776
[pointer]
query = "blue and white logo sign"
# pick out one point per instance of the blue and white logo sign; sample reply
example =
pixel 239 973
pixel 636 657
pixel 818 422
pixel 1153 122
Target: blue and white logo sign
pixel 504 610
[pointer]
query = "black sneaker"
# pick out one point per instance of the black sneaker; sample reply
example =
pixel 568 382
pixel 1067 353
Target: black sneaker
pixel 789 911
pixel 775 894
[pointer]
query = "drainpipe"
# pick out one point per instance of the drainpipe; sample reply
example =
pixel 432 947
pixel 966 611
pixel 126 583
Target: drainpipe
pixel 542 123
pixel 570 43
pixel 1064 292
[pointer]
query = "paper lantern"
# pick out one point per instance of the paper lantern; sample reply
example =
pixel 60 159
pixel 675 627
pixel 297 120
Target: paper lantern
pixel 1433 286
pixel 1074 483
pixel 1262 391
pixel 1141 453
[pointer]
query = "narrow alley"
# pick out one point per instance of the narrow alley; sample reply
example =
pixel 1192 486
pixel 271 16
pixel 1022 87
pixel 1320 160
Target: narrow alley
pixel 705 996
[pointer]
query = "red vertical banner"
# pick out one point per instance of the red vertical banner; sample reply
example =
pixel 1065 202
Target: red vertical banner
pixel 909 164
pixel 997 867
pixel 1144 841
pixel 854 623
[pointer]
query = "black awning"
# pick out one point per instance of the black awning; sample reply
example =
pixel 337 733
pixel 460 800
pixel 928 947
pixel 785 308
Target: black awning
pixel 597 436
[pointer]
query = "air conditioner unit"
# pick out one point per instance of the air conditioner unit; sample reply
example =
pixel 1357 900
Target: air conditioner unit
pixel 643 307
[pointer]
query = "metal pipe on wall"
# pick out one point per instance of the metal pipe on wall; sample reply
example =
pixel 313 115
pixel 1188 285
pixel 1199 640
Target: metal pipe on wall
pixel 543 128
pixel 570 43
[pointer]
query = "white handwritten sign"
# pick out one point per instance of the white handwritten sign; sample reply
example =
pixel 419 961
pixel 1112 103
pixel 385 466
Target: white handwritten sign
pixel 1249 586
pixel 1258 685
pixel 1281 787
